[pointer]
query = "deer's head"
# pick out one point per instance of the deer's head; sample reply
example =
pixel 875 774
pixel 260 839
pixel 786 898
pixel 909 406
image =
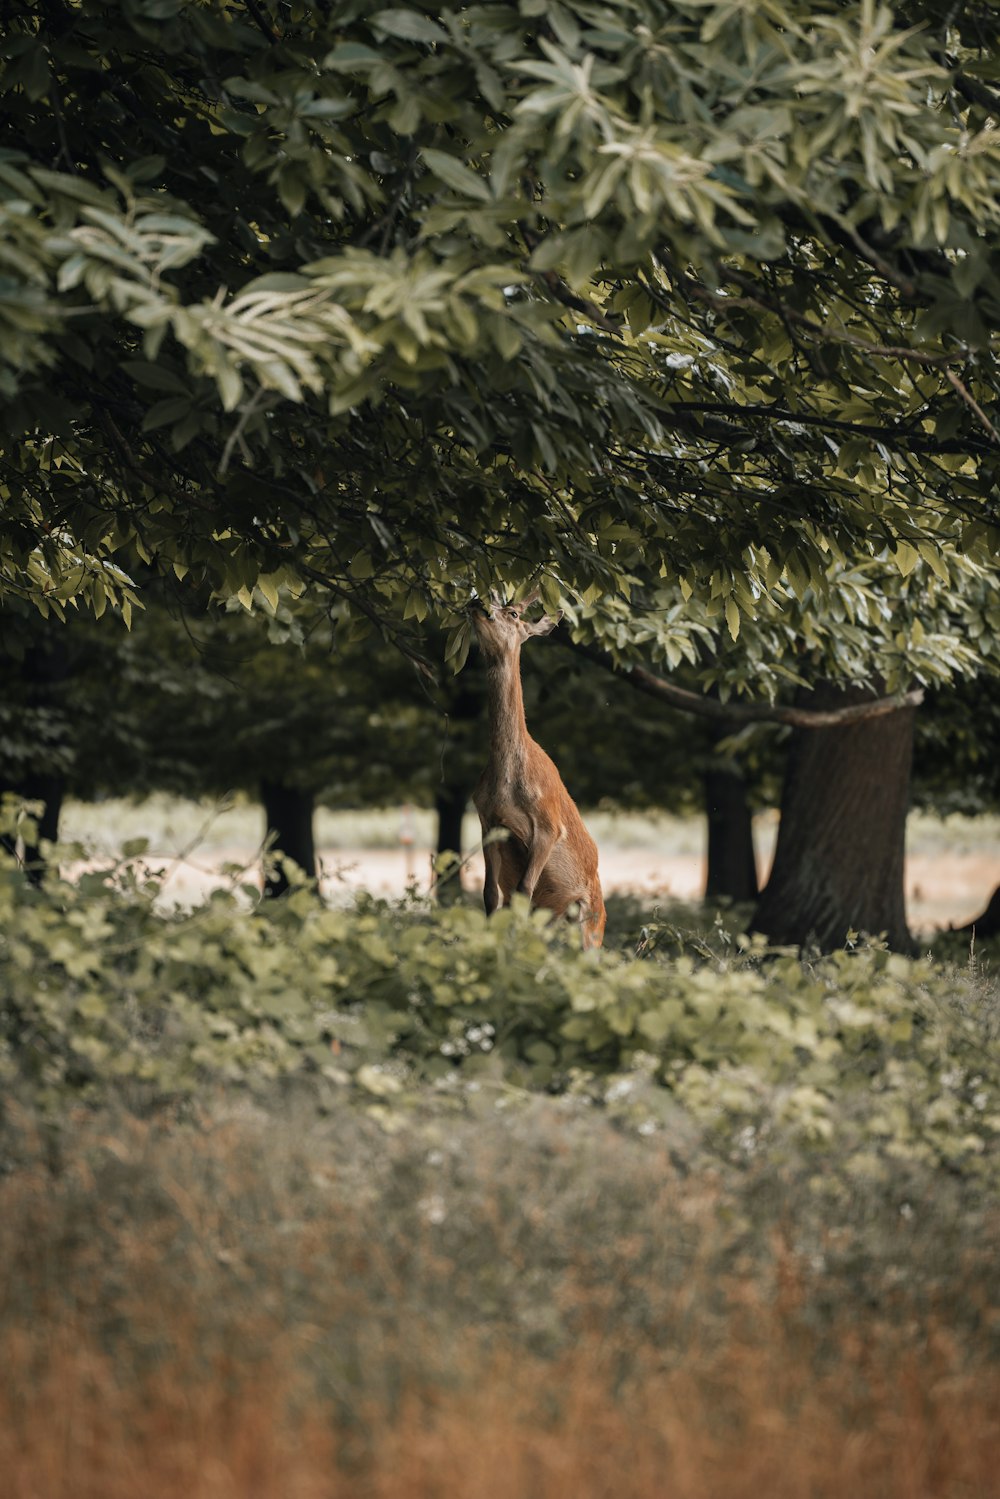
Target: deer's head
pixel 502 628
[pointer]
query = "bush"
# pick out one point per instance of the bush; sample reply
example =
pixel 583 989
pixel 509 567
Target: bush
pixel 878 1056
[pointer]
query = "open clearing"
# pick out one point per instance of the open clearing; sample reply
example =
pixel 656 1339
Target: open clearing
pixel 952 866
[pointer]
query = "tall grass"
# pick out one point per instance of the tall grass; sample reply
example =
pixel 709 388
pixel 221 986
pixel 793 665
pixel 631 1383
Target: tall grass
pixel 527 1304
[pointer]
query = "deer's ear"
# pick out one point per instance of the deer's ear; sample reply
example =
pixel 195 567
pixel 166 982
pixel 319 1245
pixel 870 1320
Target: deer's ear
pixel 529 599
pixel 545 625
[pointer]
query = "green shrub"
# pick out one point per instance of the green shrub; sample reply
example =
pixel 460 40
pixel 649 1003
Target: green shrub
pixel 104 988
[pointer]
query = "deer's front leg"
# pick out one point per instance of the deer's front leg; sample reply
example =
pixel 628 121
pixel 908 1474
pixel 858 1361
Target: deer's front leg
pixel 491 888
pixel 544 839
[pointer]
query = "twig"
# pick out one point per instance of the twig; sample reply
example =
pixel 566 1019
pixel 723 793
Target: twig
pixel 236 435
pixel 973 404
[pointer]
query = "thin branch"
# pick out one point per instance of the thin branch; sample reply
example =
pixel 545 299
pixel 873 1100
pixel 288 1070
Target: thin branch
pixel 976 92
pixel 694 702
pixel 815 330
pixel 914 440
pixel 261 21
pixel 236 435
pixel 562 293
pixel 906 284
pixel 973 404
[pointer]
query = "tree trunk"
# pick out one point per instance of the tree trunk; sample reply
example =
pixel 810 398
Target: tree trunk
pixel 838 864
pixel 466 710
pixel 289 815
pixel 450 802
pixel 43 670
pixel 732 864
pixel 48 789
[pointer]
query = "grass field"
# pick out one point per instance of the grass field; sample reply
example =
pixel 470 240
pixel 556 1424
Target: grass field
pixel 953 864
pixel 171 823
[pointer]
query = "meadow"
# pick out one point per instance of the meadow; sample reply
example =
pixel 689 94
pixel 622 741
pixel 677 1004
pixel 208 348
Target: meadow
pixel 952 862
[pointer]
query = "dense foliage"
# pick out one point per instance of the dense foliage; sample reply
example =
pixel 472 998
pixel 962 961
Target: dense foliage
pixel 400 300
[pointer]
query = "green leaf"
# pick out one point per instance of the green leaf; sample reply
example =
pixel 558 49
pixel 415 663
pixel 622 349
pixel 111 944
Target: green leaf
pixel 155 376
pixel 165 412
pixel 409 25
pixel 351 55
pixel 456 175
pixel 906 557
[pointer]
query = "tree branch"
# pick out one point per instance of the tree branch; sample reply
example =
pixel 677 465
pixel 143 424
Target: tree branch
pixel 974 91
pixel 694 702
pixel 922 442
pixel 564 294
pixel 973 404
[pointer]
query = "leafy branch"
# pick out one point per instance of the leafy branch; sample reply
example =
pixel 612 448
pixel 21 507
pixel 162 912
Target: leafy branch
pixel 695 702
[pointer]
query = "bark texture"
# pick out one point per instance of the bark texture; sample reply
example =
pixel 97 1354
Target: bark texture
pixel 838 864
pixel 466 719
pixel 288 811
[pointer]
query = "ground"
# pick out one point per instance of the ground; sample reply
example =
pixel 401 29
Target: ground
pixel 952 864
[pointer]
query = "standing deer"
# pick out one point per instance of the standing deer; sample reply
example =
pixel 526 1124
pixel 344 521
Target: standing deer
pixel 548 854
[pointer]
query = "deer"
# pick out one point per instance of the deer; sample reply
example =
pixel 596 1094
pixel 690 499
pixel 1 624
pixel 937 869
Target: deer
pixel 547 853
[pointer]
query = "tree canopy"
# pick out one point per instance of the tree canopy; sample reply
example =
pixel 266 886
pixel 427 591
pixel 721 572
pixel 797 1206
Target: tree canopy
pixel 402 301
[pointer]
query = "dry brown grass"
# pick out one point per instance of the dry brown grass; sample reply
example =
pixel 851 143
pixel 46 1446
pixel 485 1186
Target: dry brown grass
pixel 524 1309
pixel 885 1421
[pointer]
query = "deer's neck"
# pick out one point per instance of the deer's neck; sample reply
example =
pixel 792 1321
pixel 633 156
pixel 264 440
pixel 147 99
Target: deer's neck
pixel 508 730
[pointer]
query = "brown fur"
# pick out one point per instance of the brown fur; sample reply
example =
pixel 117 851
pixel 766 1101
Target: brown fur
pixel 548 854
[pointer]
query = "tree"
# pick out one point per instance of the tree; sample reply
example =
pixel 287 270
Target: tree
pixel 404 300
pixel 731 861
pixel 203 703
pixel 839 859
pixel 838 863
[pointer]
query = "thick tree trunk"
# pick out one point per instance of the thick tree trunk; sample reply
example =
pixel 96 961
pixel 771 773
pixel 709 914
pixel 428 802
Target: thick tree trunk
pixel 732 864
pixel 289 815
pixel 450 802
pixel 838 864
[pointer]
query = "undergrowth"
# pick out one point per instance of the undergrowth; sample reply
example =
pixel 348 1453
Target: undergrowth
pixel 868 1054
pixel 398 1203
